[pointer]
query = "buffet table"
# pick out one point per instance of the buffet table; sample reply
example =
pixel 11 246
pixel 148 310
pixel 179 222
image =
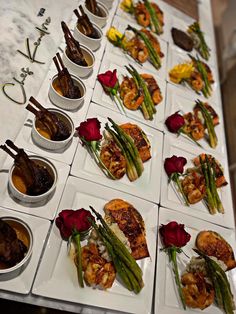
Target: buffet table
pixel 44 283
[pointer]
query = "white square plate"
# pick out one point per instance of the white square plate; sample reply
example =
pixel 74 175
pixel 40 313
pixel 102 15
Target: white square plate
pixel 183 26
pixel 22 283
pixel 78 115
pixel 170 199
pixel 24 139
pixel 99 96
pixel 177 101
pixel 43 210
pixel 176 57
pixel 166 295
pixel 121 25
pixel 57 277
pixel 148 185
pixel 131 19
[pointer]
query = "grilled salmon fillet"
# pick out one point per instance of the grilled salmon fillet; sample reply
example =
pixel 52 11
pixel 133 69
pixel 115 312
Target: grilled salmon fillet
pixel 140 140
pixel 131 223
pixel 213 244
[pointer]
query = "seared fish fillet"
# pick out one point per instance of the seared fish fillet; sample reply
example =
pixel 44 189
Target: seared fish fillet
pixel 131 223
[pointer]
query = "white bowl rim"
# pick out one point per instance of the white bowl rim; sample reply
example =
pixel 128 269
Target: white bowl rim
pixel 92 39
pixel 82 66
pixel 50 164
pixel 105 10
pixel 30 249
pixel 78 81
pixel 69 120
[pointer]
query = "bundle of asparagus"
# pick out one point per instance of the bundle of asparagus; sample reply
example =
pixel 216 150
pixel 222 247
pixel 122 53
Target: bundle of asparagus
pixel 127 268
pixel 199 41
pixel 134 164
pixel 147 107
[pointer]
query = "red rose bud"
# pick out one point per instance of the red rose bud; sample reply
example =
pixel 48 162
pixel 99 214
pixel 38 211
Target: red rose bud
pixel 174 122
pixel 70 221
pixel 174 165
pixel 108 79
pixel 173 234
pixel 90 130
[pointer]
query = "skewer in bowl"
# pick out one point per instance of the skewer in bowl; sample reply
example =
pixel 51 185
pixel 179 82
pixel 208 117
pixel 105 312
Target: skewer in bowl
pixel 52 129
pixel 66 91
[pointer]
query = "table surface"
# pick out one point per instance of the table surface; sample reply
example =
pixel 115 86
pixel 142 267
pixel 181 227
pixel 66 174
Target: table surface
pixel 19 22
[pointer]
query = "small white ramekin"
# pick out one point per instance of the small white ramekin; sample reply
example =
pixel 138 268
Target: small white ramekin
pixel 79 70
pixel 98 20
pixel 30 199
pixel 51 145
pixel 67 103
pixel 92 43
pixel 14 271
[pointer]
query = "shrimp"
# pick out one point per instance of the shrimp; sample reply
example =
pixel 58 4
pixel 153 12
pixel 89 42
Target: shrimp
pixel 132 100
pixel 194 187
pixel 214 115
pixel 196 81
pixel 126 86
pixel 137 49
pixel 142 15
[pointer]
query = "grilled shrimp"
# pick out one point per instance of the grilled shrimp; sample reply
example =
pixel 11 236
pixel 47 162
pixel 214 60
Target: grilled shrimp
pixel 142 15
pixel 196 81
pixel 113 159
pixel 197 292
pixel 126 86
pixel 137 49
pixel 132 100
pixel 194 187
pixel 194 126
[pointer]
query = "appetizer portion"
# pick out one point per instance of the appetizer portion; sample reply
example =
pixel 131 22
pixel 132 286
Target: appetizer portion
pixel 141 45
pixel 94 8
pixel 196 125
pixel 146 13
pixel 64 84
pixel 29 176
pixel 112 247
pixel 121 150
pixel 192 38
pixel 200 182
pixel 47 123
pixel 12 249
pixel 84 24
pixel 196 74
pixel 138 92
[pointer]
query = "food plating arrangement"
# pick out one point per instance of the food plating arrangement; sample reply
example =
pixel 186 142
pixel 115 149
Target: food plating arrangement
pixel 116 194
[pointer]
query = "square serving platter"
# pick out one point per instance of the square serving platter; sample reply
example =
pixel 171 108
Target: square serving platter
pixel 40 227
pixel 177 101
pixel 148 185
pixel 111 63
pixel 176 57
pixel 166 294
pixel 45 209
pixel 171 199
pixel 57 277
pixel 121 24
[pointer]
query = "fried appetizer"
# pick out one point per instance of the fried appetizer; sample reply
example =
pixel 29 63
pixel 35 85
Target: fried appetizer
pixel 212 244
pixel 130 223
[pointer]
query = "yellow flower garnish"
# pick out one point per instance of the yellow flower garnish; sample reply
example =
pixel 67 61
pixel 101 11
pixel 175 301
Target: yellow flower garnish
pixel 115 36
pixel 181 72
pixel 127 6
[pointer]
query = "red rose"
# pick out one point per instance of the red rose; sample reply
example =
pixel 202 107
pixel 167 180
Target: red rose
pixel 174 165
pixel 174 122
pixel 173 234
pixel 90 130
pixel 70 221
pixel 108 79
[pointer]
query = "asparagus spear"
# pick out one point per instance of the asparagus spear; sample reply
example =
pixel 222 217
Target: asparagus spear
pixel 154 57
pixel 154 19
pixel 147 96
pixel 218 200
pixel 209 124
pixel 121 250
pixel 203 49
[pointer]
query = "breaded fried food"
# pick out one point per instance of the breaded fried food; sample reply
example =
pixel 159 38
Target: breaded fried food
pixel 140 140
pixel 212 244
pixel 131 223
pixel 197 292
